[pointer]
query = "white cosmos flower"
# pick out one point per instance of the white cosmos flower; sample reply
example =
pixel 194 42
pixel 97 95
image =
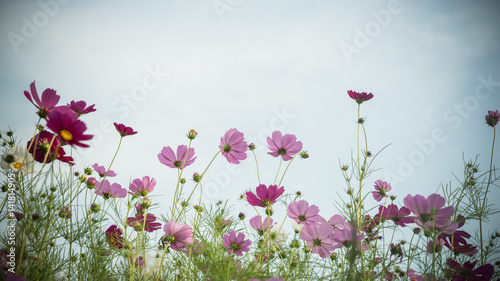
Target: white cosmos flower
pixel 277 235
pixel 297 227
pixel 18 159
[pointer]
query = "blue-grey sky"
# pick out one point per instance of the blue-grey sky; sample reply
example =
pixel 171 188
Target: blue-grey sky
pixel 164 67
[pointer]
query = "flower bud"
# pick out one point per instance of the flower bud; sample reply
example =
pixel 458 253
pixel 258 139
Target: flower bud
pixel 196 177
pixel 251 146
pixel 192 134
pixel 304 155
pixel 95 207
pixel 241 216
pixel 183 181
pixel 87 171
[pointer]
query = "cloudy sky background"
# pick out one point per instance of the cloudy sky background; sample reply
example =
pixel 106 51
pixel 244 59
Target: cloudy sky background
pixel 260 66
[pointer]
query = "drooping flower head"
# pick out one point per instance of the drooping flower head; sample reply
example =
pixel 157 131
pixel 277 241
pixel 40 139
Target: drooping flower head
pixel 492 118
pixel 360 97
pixel 465 272
pixel 18 159
pixel 46 104
pixel 80 107
pixel 381 188
pixel 177 235
pixel 319 238
pixel 233 146
pixel 285 146
pixel 391 212
pixel 101 170
pixel 261 225
pixel 40 146
pixel 180 161
pixel 143 187
pixel 265 196
pixel 114 237
pixel 236 244
pixel 302 213
pixel 124 130
pixel 68 127
pixel 141 222
pixel 107 190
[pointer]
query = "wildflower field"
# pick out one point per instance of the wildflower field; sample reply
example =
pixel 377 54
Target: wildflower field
pixel 66 220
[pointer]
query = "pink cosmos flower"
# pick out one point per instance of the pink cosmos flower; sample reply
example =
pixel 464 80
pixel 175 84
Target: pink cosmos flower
pixel 347 238
pixel 124 130
pixel 80 107
pixel 492 118
pixel 236 244
pixel 318 238
pixel 429 210
pixel 303 214
pixel 233 146
pixel 413 276
pixel 139 222
pixel 339 222
pixel 142 187
pixel 40 144
pixel 435 246
pixel 391 212
pixel 46 104
pixel 138 261
pixel 101 170
pixel 381 188
pixel 265 196
pixel 114 237
pixel 458 272
pixel 107 190
pixel 167 157
pixel 261 226
pixel 177 235
pixel 69 129
pixel 360 97
pixel 285 146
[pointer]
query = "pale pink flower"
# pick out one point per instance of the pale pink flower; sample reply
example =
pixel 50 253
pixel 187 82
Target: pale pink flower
pixel 381 189
pixel 285 146
pixel 265 196
pixel 303 214
pixel 177 235
pixel 236 244
pixel 233 146
pixel 180 161
pixel 101 170
pixel 318 238
pixel 107 190
pixel 142 187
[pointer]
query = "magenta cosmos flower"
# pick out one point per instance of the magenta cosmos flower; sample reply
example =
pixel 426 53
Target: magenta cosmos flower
pixel 285 146
pixel 80 107
pixel 101 170
pixel 360 97
pixel 114 237
pixel 318 238
pixel 69 129
pixel 261 225
pixel 391 212
pixel 143 187
pixel 265 196
pixel 233 146
pixel 301 213
pixel 141 222
pixel 466 272
pixel 236 244
pixel 47 144
pixel 124 130
pixel 381 188
pixel 107 190
pixel 167 157
pixel 46 104
pixel 492 118
pixel 177 235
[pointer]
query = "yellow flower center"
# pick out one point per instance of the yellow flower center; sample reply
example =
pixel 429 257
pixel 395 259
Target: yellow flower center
pixel 66 135
pixel 112 240
pixel 17 165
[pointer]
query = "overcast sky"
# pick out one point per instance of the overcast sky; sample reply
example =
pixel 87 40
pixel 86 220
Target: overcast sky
pixel 164 67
